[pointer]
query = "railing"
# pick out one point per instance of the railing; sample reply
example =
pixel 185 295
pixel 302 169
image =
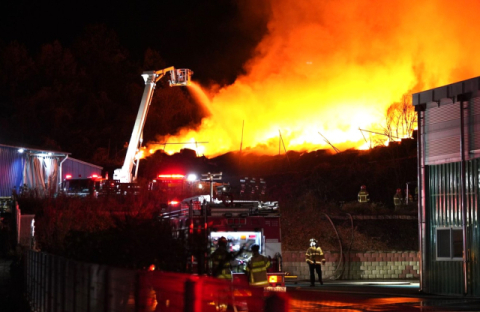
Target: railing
pixel 56 284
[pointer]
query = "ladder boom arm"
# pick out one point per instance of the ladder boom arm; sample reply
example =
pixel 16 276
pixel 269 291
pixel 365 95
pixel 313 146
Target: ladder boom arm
pixel 150 77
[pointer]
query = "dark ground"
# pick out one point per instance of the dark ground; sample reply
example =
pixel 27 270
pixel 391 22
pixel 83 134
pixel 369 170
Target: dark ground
pixel 12 297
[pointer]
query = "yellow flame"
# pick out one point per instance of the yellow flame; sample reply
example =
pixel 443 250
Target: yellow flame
pixel 332 67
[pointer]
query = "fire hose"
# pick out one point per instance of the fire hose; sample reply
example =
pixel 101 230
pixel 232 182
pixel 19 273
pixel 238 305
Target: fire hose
pixel 340 266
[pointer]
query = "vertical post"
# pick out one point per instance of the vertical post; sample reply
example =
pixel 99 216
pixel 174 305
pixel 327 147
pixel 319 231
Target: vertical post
pixel 74 292
pixel 192 297
pixel 407 191
pixel 89 285
pixel 205 235
pixel 64 284
pixel 211 189
pixel 49 278
pixel 210 177
pixel 44 292
pixel 463 200
pixel 421 196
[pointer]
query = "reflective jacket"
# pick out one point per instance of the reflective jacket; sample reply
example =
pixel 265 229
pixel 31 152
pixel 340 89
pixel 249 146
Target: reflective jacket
pixel 363 197
pixel 397 199
pixel 314 255
pixel 257 270
pixel 221 263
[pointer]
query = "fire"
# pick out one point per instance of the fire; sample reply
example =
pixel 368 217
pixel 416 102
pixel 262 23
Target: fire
pixel 332 67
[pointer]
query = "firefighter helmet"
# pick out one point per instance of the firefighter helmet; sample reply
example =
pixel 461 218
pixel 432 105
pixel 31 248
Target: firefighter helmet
pixel 255 248
pixel 363 187
pixel 222 241
pixel 313 242
pixel 398 190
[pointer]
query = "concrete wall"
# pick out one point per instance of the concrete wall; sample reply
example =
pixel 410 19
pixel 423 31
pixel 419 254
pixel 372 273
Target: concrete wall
pixel 357 265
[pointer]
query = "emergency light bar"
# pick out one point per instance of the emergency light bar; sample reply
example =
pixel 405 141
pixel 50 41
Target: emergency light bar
pixel 171 176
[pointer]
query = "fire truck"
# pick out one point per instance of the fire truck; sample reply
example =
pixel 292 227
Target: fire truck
pixel 96 186
pixel 202 220
pixel 93 185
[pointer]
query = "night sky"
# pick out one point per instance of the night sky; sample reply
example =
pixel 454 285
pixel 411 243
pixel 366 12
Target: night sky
pixel 213 38
pixel 289 67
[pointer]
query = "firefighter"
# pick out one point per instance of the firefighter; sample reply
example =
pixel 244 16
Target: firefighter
pixel 314 257
pixel 257 268
pixel 398 200
pixel 221 259
pixel 363 195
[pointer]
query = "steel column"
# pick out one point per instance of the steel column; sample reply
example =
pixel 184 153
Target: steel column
pixel 463 198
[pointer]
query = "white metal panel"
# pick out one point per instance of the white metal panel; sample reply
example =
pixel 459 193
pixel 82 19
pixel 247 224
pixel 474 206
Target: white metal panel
pixel 472 131
pixel 442 133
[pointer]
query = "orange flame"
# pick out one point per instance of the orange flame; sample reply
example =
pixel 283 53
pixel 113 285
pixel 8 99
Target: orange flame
pixel 334 67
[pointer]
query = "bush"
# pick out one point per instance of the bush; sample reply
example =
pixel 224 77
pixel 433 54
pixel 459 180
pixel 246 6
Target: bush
pixel 331 225
pixel 366 208
pixel 121 231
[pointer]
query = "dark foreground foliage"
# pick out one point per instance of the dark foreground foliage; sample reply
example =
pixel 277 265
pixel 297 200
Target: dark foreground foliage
pixel 122 232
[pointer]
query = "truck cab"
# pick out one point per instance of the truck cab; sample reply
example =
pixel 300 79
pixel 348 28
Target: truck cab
pixel 94 186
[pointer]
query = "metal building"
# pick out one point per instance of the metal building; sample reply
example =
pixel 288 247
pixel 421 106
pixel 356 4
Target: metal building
pixel 79 169
pixel 38 169
pixel 448 173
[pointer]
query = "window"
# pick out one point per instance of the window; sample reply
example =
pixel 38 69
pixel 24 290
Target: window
pixel 449 244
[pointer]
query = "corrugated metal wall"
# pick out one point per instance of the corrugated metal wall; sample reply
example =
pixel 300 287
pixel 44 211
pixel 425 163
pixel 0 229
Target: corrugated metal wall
pixel 15 170
pixel 444 210
pixel 442 129
pixel 439 179
pixel 12 164
pixel 472 127
pixel 79 169
pixel 473 189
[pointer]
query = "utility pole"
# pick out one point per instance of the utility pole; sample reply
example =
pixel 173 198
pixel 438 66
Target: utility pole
pixel 328 142
pixel 241 145
pixel 210 177
pixel 241 141
pixel 283 143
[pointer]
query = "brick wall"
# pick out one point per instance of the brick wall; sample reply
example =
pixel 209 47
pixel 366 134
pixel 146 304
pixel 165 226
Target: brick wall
pixel 358 265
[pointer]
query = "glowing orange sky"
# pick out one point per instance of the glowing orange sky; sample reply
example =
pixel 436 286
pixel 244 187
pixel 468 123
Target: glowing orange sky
pixel 334 66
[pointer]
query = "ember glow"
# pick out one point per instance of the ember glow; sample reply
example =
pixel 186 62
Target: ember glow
pixel 334 67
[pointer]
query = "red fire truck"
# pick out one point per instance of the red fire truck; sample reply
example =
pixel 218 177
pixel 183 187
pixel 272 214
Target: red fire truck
pixel 241 222
pixel 202 219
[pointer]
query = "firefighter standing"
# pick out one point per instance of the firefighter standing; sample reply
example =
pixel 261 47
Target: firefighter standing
pixel 221 258
pixel 314 257
pixel 257 268
pixel 398 200
pixel 363 195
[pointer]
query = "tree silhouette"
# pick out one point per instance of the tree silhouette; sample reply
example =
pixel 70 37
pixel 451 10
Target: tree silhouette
pixel 83 99
pixel 400 119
